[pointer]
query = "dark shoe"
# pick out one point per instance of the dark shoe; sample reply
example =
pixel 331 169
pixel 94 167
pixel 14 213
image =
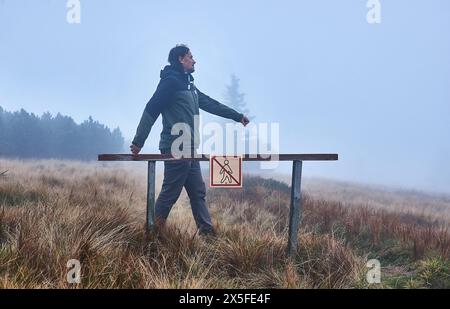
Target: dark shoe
pixel 207 232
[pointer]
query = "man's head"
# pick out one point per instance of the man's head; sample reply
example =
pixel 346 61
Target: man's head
pixel 181 57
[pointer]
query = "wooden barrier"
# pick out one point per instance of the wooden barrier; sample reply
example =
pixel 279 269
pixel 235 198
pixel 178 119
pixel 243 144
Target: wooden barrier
pixel 295 206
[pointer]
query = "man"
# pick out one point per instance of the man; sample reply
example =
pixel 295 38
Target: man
pixel 178 100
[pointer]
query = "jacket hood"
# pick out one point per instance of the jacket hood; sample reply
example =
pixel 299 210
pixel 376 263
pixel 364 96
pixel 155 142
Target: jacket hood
pixel 170 70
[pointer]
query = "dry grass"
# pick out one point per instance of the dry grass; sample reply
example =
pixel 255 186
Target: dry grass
pixel 53 211
pixel 380 197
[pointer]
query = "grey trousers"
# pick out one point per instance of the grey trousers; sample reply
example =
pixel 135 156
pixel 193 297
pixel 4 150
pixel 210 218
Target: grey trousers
pixel 187 174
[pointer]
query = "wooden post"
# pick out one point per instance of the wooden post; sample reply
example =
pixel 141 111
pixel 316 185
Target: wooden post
pixel 151 194
pixel 295 210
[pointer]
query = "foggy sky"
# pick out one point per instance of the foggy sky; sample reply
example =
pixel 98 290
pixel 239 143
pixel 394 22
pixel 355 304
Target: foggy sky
pixel 376 94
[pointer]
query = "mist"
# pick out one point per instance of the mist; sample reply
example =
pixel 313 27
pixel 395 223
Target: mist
pixel 375 93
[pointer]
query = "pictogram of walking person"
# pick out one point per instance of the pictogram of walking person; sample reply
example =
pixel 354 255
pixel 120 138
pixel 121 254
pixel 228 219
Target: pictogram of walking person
pixel 226 172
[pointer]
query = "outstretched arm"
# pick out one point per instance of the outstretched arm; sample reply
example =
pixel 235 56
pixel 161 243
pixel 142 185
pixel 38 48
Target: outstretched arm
pixel 212 106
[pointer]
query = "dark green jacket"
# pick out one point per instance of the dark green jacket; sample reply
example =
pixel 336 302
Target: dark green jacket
pixel 178 100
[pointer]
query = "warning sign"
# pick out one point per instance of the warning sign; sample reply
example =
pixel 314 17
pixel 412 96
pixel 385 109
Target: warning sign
pixel 225 172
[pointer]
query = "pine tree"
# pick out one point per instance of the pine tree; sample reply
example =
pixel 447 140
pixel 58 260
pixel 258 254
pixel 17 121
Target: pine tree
pixel 234 98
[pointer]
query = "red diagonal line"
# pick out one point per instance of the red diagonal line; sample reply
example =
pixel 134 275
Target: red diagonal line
pixel 237 182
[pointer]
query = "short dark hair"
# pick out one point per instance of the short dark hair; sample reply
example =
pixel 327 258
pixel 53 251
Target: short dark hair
pixel 178 51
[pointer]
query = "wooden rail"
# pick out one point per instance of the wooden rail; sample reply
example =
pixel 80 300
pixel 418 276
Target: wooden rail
pixel 295 206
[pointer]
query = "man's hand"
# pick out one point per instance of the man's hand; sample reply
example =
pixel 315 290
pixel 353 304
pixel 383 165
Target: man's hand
pixel 245 121
pixel 134 149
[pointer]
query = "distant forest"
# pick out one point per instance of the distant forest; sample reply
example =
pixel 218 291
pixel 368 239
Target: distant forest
pixel 25 135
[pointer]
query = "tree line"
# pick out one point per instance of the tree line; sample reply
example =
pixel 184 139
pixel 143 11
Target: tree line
pixel 25 135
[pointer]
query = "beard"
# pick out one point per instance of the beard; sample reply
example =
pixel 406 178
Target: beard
pixel 191 70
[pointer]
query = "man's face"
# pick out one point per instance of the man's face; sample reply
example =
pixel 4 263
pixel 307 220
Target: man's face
pixel 188 62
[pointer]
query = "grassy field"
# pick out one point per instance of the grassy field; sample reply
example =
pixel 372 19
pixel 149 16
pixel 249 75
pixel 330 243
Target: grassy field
pixel 53 211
